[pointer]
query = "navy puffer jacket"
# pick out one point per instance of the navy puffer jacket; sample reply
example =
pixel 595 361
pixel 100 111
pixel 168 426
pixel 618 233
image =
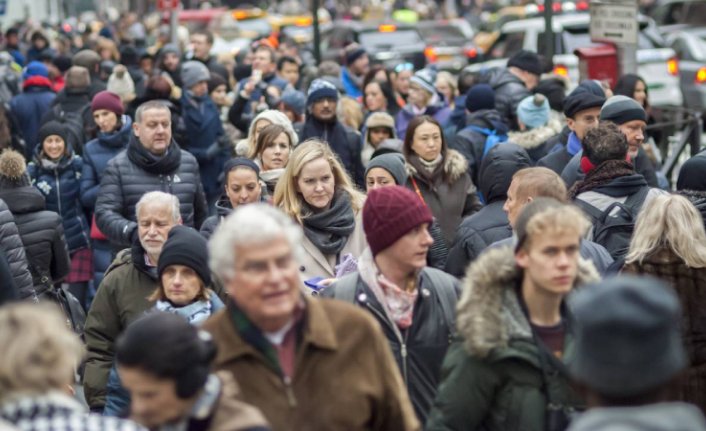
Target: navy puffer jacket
pixel 60 183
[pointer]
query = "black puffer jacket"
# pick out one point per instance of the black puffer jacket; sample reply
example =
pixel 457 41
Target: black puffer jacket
pixel 42 235
pixel 490 224
pixel 135 172
pixel 420 349
pixel 471 143
pixel 11 243
pixel 509 92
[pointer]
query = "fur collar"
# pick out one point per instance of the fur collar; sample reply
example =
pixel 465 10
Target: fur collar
pixel 488 313
pixel 536 137
pixel 455 165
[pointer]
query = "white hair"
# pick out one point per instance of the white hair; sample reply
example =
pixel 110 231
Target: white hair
pixel 253 224
pixel 162 199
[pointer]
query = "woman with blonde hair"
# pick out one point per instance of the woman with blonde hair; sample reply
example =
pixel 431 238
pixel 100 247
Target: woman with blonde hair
pixel 669 242
pixel 37 368
pixel 448 87
pixel 316 191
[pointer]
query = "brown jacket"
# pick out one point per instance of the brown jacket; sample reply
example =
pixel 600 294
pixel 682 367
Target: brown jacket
pixel 344 377
pixel 231 414
pixel 690 286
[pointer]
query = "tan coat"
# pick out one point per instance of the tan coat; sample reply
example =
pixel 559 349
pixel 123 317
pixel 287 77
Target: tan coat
pixel 313 263
pixel 344 377
pixel 231 414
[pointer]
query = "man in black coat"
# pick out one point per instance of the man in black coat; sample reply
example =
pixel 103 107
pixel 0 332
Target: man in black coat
pixel 322 123
pixel 151 162
pixel 14 253
pixel 490 224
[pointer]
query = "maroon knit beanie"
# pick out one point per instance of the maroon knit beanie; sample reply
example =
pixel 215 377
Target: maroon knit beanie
pixel 389 213
pixel 108 101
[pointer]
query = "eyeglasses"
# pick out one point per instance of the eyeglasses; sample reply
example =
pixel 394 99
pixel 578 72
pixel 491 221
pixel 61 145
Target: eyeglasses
pixel 404 67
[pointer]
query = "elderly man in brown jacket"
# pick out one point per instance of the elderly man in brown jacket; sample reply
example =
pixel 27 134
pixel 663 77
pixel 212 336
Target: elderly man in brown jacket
pixel 307 364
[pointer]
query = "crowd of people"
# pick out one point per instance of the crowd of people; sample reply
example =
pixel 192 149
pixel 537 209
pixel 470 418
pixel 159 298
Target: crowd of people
pixel 264 244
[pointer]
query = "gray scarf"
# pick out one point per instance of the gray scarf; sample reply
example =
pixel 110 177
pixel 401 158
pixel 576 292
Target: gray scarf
pixel 329 230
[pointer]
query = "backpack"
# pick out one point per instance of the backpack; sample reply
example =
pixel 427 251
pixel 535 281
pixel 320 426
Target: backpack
pixel 613 227
pixel 75 127
pixel 492 138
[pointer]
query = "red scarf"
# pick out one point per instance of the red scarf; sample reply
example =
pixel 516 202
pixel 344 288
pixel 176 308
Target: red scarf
pixel 37 81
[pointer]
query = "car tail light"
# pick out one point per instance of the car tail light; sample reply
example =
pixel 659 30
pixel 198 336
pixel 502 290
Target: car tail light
pixel 673 66
pixel 556 7
pixel 430 54
pixel 701 76
pixel 561 70
pixel 471 52
pixel 582 5
pixel 540 8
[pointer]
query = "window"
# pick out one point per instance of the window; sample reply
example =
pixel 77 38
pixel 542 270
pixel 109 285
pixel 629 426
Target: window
pixel 507 45
pixel 383 40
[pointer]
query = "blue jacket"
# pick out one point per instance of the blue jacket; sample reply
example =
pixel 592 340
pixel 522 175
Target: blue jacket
pixel 62 191
pixel 352 89
pixel 96 155
pixel 203 129
pixel 29 107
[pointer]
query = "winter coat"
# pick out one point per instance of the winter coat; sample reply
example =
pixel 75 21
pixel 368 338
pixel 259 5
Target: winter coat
pixel 345 142
pixel 8 290
pixel 448 192
pixel 28 108
pixel 121 298
pixel 42 235
pixel 338 344
pixel 72 100
pixel 96 155
pixel 57 411
pixel 61 187
pixel 492 378
pixel 353 89
pixel 203 129
pixel 223 209
pixel 698 199
pixel 133 173
pixel 556 161
pixel 490 224
pixel 418 350
pixel 439 111
pixel 617 190
pixel 11 245
pixel 572 173
pixel 509 92
pixel 537 142
pixel 457 118
pixel 313 263
pixel 471 143
pixel 689 284
pixel 649 417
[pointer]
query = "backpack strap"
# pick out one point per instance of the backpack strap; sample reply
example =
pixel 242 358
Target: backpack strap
pixel 345 288
pixel 483 130
pixel 446 291
pixel 589 209
pixel 636 200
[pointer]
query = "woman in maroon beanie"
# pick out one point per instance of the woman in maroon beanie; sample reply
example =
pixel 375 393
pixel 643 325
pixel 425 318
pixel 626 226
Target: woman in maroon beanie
pixel 114 130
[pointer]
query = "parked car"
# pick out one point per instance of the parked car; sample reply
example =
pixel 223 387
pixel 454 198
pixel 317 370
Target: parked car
pixel 674 15
pixel 657 63
pixel 690 46
pixel 449 43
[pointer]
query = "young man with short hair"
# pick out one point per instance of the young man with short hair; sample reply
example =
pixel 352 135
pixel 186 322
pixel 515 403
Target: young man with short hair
pixel 507 371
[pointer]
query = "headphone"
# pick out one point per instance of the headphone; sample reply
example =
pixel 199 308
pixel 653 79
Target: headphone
pixel 194 377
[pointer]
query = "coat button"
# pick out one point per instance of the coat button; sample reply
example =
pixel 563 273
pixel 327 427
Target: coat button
pixel 302 268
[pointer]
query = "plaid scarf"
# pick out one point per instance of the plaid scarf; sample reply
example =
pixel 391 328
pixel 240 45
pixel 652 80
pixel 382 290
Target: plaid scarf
pixel 253 336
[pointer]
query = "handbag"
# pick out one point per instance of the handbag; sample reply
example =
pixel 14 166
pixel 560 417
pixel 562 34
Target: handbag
pixel 67 302
pixel 95 232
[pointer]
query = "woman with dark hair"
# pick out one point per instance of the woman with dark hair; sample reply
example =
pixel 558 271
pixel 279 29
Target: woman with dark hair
pixel 378 96
pixel 439 175
pixel 271 152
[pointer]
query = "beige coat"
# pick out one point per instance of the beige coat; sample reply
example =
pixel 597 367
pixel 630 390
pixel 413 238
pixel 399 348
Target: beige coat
pixel 313 263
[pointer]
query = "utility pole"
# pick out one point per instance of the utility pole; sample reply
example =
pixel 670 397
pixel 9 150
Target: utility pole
pixel 549 30
pixel 317 30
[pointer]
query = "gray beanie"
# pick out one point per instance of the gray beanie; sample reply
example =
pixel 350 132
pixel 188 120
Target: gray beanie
pixel 628 338
pixel 193 72
pixel 392 163
pixel 621 109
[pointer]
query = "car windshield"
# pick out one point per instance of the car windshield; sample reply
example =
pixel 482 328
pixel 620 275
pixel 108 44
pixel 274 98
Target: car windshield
pixel 389 39
pixel 574 40
pixel 442 33
pixel 257 26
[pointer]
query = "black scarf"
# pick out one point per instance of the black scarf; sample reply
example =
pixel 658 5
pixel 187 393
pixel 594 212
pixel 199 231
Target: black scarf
pixel 329 230
pixel 157 165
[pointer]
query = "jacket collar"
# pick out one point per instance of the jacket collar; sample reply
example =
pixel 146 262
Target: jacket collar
pixel 316 254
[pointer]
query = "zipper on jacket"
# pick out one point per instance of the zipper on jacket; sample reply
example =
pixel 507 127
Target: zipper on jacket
pixel 290 392
pixel 400 339
pixel 58 191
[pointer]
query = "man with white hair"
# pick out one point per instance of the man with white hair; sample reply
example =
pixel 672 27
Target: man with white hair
pixel 306 363
pixel 122 295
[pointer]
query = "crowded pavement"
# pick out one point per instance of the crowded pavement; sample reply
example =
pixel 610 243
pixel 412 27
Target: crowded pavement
pixel 395 216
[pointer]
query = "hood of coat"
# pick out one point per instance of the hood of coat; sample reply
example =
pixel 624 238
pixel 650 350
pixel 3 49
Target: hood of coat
pixel 489 313
pixel 490 119
pixel 23 200
pixel 223 206
pixel 651 417
pixel 497 169
pixel 119 138
pixel 455 165
pixel 536 137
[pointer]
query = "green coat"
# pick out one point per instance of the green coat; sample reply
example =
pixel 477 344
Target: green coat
pixel 492 378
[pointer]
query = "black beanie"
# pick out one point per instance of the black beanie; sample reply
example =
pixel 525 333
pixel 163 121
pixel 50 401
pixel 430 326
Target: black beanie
pixel 52 128
pixel 527 61
pixel 185 246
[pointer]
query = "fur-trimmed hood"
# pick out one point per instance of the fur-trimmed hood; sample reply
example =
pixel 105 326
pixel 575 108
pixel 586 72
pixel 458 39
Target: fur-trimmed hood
pixel 488 313
pixel 536 137
pixel 455 165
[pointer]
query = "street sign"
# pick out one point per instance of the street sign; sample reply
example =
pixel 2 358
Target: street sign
pixel 614 22
pixel 167 4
